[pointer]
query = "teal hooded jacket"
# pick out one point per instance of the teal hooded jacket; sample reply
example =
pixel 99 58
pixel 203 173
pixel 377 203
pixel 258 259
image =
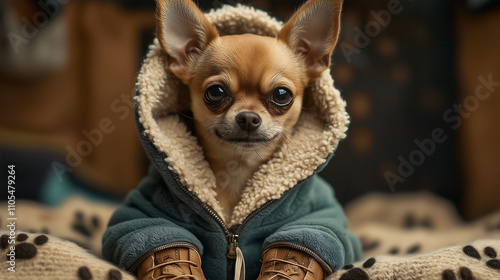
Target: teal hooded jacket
pixel 285 203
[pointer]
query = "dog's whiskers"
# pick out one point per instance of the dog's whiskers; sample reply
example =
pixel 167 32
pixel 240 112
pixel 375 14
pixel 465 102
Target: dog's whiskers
pixel 186 116
pixel 258 155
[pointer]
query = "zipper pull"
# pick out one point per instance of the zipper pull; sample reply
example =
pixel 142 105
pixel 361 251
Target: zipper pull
pixel 233 244
pixel 234 252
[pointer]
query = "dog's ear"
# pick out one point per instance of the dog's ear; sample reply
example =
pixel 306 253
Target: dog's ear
pixel 313 32
pixel 183 32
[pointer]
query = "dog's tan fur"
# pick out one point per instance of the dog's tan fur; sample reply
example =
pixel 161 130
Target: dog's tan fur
pixel 250 67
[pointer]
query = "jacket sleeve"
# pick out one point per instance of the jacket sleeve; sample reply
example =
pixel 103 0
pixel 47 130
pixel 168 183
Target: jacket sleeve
pixel 140 226
pixel 323 230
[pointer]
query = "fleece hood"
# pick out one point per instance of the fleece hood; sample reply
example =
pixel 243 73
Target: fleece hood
pixel 162 99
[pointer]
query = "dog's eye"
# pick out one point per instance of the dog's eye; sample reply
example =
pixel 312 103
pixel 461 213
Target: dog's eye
pixel 281 97
pixel 215 94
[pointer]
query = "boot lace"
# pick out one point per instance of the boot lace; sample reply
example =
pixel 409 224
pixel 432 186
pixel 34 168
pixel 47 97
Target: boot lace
pixel 282 274
pixel 172 276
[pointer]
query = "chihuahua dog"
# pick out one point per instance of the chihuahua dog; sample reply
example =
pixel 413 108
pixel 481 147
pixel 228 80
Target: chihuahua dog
pixel 246 95
pixel 246 90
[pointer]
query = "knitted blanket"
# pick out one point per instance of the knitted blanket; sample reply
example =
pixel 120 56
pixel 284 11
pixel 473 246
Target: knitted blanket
pixel 415 236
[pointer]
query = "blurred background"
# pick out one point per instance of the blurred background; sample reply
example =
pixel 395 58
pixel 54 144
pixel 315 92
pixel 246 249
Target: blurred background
pixel 421 80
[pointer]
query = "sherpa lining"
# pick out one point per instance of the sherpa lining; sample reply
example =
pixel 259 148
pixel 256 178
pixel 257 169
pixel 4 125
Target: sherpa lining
pixel 162 98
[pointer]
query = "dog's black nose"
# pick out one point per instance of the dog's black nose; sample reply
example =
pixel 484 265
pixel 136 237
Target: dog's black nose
pixel 248 121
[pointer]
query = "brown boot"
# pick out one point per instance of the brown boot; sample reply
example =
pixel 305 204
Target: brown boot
pixel 285 263
pixel 173 264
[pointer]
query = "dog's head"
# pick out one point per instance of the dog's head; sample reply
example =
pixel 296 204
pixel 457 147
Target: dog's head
pixel 247 90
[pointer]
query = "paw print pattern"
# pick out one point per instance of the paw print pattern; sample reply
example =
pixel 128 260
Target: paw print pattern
pixel 24 250
pixel 356 273
pixel 410 221
pixel 413 249
pixel 493 263
pixel 493 227
pixel 488 251
pixel 85 227
pixel 368 245
pixel 85 274
pixel 464 272
pixel 471 252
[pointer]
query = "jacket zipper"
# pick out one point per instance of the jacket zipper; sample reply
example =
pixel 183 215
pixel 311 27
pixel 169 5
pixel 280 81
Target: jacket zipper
pixel 323 264
pixel 233 244
pixel 136 264
pixel 231 255
pixel 232 237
